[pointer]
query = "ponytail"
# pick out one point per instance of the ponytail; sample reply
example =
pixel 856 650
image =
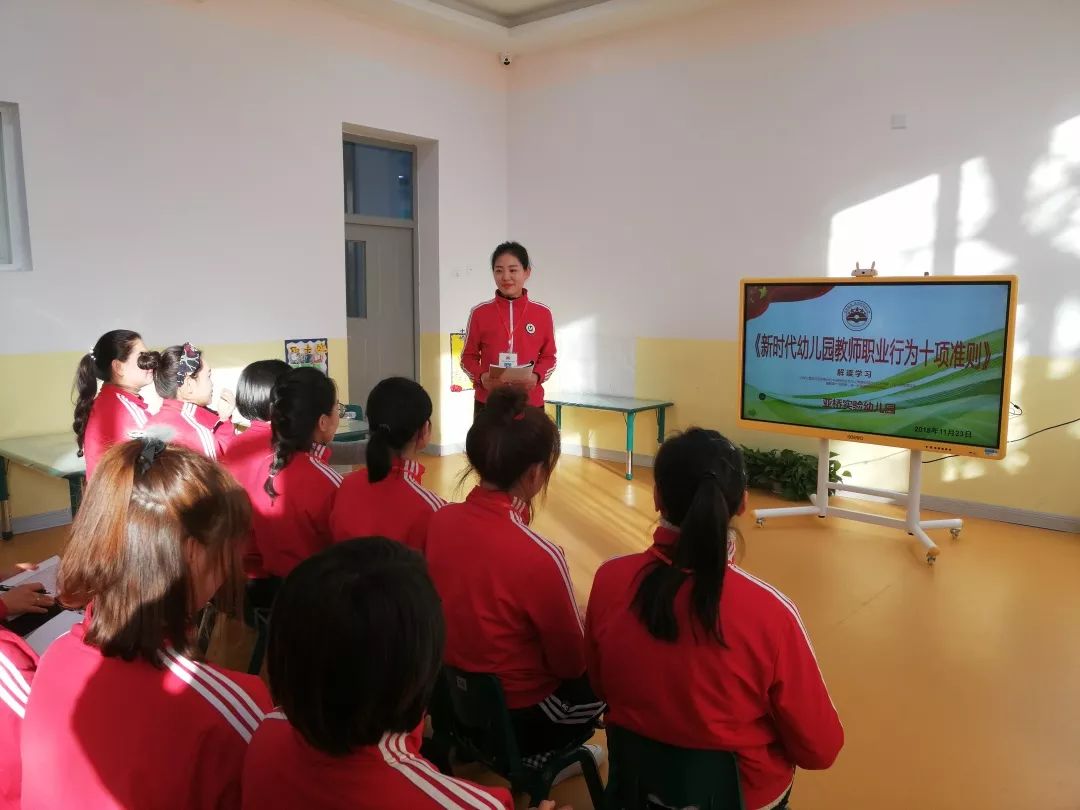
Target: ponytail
pixel 86 380
pixel 299 399
pixel 97 365
pixel 701 480
pixel 397 410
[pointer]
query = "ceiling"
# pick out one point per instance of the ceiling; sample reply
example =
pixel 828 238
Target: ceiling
pixel 522 26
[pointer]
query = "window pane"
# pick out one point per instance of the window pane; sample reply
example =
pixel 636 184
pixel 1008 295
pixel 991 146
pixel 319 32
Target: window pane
pixel 355 279
pixel 378 181
pixel 5 220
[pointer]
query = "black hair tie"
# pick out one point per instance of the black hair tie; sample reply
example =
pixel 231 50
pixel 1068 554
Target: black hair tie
pixel 384 428
pixel 152 448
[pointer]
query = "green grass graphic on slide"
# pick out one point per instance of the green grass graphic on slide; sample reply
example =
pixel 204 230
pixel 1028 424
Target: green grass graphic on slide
pixel 932 379
pixel 977 412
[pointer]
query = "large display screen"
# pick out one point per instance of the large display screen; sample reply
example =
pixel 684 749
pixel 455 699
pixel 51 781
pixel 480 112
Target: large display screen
pixel 922 363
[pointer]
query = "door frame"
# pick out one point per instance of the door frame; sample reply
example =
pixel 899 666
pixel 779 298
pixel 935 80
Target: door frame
pixel 390 222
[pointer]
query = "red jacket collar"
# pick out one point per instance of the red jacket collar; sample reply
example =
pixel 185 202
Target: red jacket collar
pixel 498 501
pixel 407 467
pixel 504 302
pixel 172 405
pixel 259 426
pixel 666 535
pixel 138 400
pixel 320 452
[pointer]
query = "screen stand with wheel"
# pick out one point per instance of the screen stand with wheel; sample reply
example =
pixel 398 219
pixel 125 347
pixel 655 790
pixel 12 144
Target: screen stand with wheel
pixel 911 499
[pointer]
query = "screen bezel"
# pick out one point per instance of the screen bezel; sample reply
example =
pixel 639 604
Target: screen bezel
pixel 976 451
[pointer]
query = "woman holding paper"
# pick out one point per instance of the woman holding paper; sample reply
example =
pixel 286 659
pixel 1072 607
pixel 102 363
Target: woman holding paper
pixel 510 340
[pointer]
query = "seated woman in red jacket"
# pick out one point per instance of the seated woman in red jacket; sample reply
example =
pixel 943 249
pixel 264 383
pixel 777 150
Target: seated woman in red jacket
pixel 690 650
pixel 17 665
pixel 121 715
pixel 509 601
pixel 182 378
pixel 356 644
pixel 387 499
pixel 292 489
pixel 118 412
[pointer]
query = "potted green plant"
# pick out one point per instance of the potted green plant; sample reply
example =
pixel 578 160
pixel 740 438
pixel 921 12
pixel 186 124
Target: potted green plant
pixel 787 473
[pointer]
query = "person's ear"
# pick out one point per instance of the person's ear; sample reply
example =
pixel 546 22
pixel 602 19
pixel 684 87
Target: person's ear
pixel 527 274
pixel 536 477
pixel 324 423
pixel 423 438
pixel 742 503
pixel 187 387
pixel 657 503
pixel 117 369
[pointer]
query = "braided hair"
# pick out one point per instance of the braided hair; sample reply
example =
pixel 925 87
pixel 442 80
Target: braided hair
pixel 299 399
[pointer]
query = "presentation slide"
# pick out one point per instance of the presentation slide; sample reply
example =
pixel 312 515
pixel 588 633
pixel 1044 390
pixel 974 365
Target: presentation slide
pixel 914 360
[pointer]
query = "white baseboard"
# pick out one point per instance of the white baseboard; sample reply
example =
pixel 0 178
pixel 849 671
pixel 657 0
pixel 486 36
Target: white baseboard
pixel 640 459
pixel 43 520
pixel 445 449
pixel 986 511
pixel 1003 514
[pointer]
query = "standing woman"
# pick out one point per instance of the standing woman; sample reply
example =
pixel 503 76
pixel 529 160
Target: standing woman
pixel 510 329
pixel 120 360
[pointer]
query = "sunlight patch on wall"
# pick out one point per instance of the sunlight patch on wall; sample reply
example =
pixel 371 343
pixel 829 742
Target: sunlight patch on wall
pixel 978 202
pixel 1053 190
pixel 896 229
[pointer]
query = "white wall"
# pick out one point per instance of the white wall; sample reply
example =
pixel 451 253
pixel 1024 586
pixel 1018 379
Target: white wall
pixel 183 165
pixel 650 171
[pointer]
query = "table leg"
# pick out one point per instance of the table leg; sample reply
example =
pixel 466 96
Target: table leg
pixel 75 490
pixel 5 507
pixel 558 416
pixel 661 423
pixel 630 446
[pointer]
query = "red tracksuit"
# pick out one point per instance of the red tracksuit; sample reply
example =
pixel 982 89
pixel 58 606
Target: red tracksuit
pixel 517 326
pixel 192 426
pixel 244 454
pixel 282 770
pixel 762 696
pixel 17 664
pixel 115 417
pixel 103 733
pixel 296 524
pixel 398 507
pixel 507 595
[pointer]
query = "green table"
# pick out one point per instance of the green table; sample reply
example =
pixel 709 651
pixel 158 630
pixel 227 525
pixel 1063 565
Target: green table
pixel 54 454
pixel 627 406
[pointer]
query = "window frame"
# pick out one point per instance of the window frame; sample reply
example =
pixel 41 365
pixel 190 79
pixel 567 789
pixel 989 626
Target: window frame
pixel 11 174
pixel 390 222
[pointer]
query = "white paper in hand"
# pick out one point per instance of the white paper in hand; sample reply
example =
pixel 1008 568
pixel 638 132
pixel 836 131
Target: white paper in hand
pixel 45 573
pixel 514 375
pixel 40 639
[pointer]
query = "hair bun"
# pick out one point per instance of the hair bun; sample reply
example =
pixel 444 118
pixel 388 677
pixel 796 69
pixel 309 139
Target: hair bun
pixel 149 361
pixel 508 403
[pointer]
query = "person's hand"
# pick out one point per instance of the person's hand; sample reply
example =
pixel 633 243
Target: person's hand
pixel 26 599
pixel 529 384
pixel 18 569
pixel 226 405
pixel 548 804
pixel 485 380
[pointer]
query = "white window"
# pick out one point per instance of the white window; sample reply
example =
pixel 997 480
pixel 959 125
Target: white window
pixel 14 228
